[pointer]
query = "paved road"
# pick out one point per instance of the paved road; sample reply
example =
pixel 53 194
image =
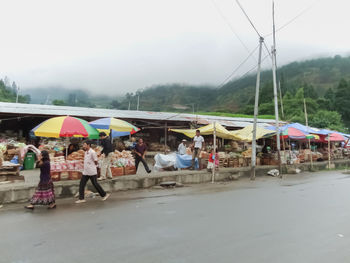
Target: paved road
pixel 301 218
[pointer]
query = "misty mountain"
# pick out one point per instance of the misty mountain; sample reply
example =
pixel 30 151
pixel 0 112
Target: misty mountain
pixel 316 74
pixel 71 97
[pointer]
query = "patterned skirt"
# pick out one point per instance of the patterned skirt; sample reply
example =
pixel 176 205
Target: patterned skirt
pixel 44 194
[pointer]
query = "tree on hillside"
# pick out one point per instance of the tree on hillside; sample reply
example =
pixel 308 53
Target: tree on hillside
pixel 72 99
pixel 327 119
pixel 266 93
pixel 342 98
pixel 330 97
pixel 309 91
pixel 115 104
pixel 58 102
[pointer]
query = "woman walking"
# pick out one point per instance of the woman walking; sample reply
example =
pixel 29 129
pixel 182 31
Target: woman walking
pixel 44 194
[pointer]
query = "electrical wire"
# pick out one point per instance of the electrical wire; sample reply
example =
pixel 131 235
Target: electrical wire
pixel 251 23
pixel 231 28
pixel 237 68
pixel 246 15
pixel 294 18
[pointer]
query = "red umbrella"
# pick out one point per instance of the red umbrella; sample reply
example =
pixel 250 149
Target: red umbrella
pixel 292 133
pixel 336 137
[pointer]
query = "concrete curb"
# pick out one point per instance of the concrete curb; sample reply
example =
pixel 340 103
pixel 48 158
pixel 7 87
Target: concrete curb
pixel 22 193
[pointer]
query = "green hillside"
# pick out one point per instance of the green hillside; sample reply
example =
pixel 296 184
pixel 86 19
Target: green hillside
pixel 317 80
pixel 323 82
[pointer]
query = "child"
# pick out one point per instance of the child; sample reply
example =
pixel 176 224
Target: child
pixel 213 159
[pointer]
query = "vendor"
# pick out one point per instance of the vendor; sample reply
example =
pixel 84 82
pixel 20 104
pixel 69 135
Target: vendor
pixel 73 148
pixel 182 147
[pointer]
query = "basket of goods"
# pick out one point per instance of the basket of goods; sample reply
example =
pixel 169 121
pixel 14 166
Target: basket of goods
pixel 117 171
pixel 75 175
pixel 130 170
pixel 123 163
pixel 55 176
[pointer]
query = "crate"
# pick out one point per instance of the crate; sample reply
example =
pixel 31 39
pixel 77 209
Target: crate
pixel 55 176
pixel 130 170
pixel 75 175
pixel 117 171
pixel 64 175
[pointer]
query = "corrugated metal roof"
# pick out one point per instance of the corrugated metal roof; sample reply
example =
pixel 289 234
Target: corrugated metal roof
pixel 51 110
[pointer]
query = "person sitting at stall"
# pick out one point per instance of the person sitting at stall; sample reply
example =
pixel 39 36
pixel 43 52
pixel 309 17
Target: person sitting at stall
pixel 213 161
pixel 182 147
pixel 73 148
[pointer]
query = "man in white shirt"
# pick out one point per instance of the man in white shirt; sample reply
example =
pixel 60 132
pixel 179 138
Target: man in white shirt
pixel 182 147
pixel 90 173
pixel 198 142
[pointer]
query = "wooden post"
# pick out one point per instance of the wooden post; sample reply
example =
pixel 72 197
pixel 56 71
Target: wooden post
pixel 214 153
pixel 165 136
pixel 307 125
pixel 329 151
pixel 256 105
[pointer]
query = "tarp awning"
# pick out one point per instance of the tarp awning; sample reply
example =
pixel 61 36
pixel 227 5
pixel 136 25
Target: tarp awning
pixel 221 131
pixel 246 134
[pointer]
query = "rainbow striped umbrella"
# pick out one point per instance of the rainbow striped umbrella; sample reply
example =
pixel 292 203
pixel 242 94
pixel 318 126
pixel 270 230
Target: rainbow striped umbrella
pixel 65 126
pixel 114 124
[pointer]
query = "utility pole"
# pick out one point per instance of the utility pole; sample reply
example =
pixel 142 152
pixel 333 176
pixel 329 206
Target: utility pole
pixel 274 44
pixel 273 51
pixel 256 105
pixel 17 94
pixel 281 98
pixel 213 154
pixel 307 126
pixel 138 101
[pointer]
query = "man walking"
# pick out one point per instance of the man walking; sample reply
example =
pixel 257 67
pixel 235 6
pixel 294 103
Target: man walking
pixel 90 172
pixel 140 152
pixel 198 142
pixel 107 153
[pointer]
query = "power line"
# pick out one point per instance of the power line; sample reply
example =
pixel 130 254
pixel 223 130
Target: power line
pixel 294 18
pixel 251 23
pixel 246 15
pixel 231 28
pixel 253 68
pixel 238 67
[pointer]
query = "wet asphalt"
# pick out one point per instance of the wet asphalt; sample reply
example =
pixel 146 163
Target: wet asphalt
pixel 300 218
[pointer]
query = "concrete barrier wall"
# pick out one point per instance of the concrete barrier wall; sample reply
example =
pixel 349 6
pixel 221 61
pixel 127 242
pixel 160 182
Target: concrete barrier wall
pixel 22 193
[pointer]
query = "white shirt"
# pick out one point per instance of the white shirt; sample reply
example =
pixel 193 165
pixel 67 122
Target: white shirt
pixel 181 149
pixel 89 163
pixel 198 141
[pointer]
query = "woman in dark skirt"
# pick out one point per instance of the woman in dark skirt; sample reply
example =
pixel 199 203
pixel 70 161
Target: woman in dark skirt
pixel 44 194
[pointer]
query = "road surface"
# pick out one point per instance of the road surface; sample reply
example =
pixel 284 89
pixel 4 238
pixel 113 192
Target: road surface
pixel 301 218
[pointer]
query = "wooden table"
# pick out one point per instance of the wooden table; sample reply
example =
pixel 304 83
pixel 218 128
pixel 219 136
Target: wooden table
pixel 10 169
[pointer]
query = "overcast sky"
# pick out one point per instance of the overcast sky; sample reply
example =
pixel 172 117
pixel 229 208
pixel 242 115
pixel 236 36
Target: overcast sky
pixel 121 46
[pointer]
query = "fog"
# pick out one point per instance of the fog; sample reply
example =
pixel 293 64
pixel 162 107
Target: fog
pixel 114 47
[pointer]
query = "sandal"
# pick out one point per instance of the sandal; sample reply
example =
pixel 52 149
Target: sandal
pixel 52 207
pixel 29 207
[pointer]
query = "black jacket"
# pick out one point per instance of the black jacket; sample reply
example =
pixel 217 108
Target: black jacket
pixel 107 146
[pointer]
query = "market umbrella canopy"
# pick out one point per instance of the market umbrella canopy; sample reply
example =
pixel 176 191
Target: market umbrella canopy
pixel 246 134
pixel 65 126
pixel 336 137
pixel 208 130
pixel 114 124
pixel 293 133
